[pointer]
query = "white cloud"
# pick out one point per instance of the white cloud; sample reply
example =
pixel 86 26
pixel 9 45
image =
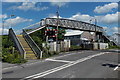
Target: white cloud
pixel 4 32
pixel 15 21
pixel 29 6
pixel 60 4
pixel 3 16
pixel 111 29
pixel 53 16
pixel 108 19
pixel 81 17
pixel 115 29
pixel 106 8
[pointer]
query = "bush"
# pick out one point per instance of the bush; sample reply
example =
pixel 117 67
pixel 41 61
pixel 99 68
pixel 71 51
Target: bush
pixel 12 58
pixel 7 52
pixel 47 53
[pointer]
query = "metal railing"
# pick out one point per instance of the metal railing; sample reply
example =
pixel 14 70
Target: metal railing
pixel 17 43
pixel 33 45
pixel 104 33
pixel 65 23
pixel 34 27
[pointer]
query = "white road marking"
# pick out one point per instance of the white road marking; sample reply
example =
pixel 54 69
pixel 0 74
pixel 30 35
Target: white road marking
pixel 59 60
pixel 41 61
pixel 60 67
pixel 64 55
pixel 116 67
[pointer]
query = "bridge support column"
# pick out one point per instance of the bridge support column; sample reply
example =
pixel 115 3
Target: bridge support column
pixel 99 37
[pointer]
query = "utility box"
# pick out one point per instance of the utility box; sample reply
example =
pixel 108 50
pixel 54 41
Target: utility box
pixel 95 46
pixel 103 46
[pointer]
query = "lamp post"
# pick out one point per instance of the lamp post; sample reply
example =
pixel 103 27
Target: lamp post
pixel 3 27
pixel 10 20
pixel 57 13
pixel 95 26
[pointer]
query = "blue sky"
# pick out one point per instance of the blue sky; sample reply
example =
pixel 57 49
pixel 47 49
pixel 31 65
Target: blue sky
pixel 27 13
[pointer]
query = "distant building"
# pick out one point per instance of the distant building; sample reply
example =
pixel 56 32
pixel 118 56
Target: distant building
pixel 80 37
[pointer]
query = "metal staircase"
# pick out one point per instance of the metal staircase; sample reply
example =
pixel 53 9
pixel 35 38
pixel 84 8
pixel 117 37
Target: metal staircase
pixel 25 45
pixel 110 40
pixel 29 52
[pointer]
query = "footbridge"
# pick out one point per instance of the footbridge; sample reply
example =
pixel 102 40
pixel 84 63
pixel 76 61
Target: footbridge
pixel 64 23
pixel 30 49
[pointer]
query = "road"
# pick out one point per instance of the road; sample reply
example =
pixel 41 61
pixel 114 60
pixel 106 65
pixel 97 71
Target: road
pixel 77 64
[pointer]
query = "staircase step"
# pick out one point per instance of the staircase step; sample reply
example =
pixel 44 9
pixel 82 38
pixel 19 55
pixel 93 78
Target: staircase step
pixel 28 58
pixel 27 49
pixel 29 53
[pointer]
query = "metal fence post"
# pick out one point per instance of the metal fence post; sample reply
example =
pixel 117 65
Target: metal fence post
pixel 41 54
pixel 24 55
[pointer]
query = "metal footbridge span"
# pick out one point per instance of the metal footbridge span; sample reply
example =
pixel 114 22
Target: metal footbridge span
pixel 64 23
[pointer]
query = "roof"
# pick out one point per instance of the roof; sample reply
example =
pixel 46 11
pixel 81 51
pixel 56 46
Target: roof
pixel 84 39
pixel 73 33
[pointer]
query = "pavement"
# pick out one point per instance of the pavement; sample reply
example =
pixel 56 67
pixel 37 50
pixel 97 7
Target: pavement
pixel 75 64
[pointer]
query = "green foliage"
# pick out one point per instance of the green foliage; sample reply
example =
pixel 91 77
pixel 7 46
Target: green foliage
pixel 47 53
pixel 7 52
pixel 111 46
pixel 39 37
pixel 61 33
pixel 114 47
pixel 12 58
pixel 6 42
pixel 73 47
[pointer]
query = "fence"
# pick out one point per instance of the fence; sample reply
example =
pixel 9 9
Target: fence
pixel 62 46
pixel 95 46
pixel 103 45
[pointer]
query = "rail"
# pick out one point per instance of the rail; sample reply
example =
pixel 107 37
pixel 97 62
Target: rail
pixel 110 39
pixel 33 45
pixel 17 43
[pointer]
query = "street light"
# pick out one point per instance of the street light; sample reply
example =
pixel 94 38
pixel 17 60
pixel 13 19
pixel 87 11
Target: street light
pixel 3 26
pixel 57 13
pixel 10 20
pixel 95 26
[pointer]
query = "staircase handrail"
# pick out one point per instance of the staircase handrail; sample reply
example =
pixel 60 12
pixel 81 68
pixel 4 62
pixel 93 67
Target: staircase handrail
pixel 32 44
pixel 17 43
pixel 109 38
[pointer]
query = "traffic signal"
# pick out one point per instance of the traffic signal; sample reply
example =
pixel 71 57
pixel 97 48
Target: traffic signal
pixel 51 32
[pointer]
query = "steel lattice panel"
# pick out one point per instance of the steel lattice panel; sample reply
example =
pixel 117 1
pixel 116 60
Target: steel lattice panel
pixel 73 24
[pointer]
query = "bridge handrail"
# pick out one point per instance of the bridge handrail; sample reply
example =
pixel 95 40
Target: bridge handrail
pixel 66 23
pixel 32 44
pixel 93 26
pixel 74 20
pixel 17 43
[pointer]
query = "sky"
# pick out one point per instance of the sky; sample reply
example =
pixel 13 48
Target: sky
pixel 27 13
